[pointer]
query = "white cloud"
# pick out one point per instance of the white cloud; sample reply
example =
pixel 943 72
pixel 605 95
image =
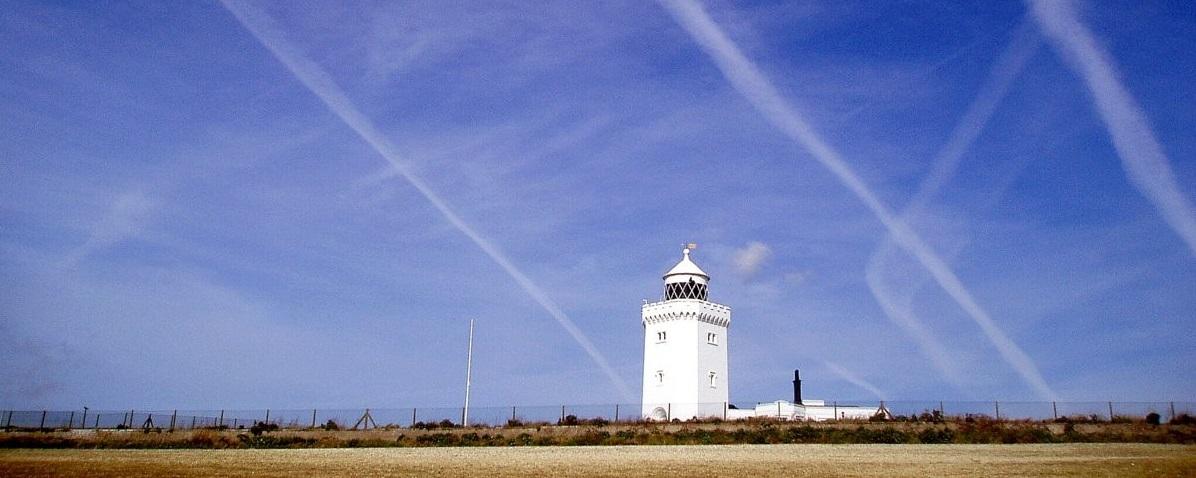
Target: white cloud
pixel 750 258
pixel 125 218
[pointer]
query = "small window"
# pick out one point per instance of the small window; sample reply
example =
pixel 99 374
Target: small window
pixel 712 338
pixel 661 337
pixel 659 377
pixel 713 379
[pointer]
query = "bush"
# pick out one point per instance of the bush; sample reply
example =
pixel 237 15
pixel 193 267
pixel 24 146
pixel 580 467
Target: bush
pixel 211 439
pixel 589 438
pixel 936 435
pixel 331 426
pixel 438 439
pixel 259 427
pixel 1183 419
pixel 446 423
pixel 933 416
pixel 887 435
pixel 524 439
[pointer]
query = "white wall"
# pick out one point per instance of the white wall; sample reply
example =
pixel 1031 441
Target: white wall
pixel 686 358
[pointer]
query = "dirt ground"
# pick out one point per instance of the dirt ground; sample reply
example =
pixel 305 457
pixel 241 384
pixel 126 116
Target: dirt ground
pixel 712 460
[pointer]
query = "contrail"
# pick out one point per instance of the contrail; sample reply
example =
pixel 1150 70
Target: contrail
pixel 1141 155
pixel 322 85
pixel 899 309
pixel 747 79
pixel 854 379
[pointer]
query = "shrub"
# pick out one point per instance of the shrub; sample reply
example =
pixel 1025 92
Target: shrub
pixel 259 427
pixel 589 438
pixel 936 435
pixel 514 423
pixel 933 416
pixel 331 426
pixel 1183 419
pixel 804 434
pixel 438 439
pixel 568 420
pixel 211 439
pixel 524 439
pixel 470 438
pixel 887 435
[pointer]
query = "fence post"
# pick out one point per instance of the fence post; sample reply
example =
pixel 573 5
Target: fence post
pixel 836 409
pixel 70 423
pixel 512 414
pixel 725 407
pixel 173 416
pixel 1110 412
pixel 8 421
pixel 130 418
pixel 43 425
pixel 562 414
pixel 462 416
pixel 942 413
pixel 1055 409
pixel 267 416
pixel 221 422
pixel 234 422
pixel 97 421
pixel 192 422
pixel 1172 412
pixel 997 406
pixel 668 416
pixel 313 418
pixel 616 413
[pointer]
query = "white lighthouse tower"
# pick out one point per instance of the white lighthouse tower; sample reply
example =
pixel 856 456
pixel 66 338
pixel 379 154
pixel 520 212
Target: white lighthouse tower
pixel 685 348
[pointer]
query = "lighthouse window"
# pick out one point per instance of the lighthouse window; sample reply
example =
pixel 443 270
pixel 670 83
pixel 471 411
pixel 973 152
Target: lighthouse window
pixel 712 338
pixel 713 379
pixel 659 377
pixel 685 290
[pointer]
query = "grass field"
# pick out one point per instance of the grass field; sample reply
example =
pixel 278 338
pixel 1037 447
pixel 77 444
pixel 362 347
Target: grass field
pixel 756 461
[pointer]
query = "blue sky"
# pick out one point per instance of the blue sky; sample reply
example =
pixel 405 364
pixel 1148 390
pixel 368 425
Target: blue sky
pixel 271 205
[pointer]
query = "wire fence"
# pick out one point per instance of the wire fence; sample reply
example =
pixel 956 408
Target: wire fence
pixel 433 417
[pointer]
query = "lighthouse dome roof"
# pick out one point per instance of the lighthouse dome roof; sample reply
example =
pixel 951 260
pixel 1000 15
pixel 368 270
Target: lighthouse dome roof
pixel 686 267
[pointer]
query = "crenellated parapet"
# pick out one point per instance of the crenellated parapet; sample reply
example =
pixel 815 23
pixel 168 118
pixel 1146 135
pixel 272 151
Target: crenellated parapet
pixel 686 309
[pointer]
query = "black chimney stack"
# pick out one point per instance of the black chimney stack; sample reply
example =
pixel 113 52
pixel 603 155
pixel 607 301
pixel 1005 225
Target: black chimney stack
pixel 796 387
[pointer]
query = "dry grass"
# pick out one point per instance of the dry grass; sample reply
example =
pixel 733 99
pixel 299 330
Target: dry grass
pixel 717 460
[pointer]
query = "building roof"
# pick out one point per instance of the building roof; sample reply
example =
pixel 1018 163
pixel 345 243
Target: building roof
pixel 687 267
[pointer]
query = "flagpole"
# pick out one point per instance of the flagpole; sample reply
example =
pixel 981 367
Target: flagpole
pixel 468 376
